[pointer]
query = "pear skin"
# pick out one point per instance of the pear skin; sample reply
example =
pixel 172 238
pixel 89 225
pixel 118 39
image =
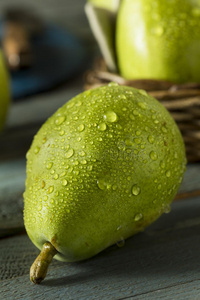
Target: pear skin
pixel 102 168
pixel 159 39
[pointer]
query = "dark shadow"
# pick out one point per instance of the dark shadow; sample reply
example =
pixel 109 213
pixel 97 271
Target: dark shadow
pixel 170 247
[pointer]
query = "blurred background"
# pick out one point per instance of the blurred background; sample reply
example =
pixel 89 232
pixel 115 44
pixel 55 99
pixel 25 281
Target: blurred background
pixel 60 51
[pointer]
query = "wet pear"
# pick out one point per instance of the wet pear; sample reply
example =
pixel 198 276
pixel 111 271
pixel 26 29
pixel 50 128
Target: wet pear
pixel 102 168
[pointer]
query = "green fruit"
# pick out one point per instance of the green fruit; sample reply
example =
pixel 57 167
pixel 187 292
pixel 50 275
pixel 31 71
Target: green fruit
pixel 159 39
pixel 4 92
pixel 102 168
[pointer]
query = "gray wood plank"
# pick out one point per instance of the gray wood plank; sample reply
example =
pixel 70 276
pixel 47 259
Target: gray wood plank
pixel 37 108
pixel 15 142
pixel 16 256
pixel 12 179
pixel 165 257
pixel 187 291
pixel 191 180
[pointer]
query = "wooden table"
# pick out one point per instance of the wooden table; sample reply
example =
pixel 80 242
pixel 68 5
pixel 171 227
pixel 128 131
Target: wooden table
pixel 163 262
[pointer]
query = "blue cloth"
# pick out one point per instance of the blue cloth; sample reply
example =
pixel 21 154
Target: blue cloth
pixel 58 56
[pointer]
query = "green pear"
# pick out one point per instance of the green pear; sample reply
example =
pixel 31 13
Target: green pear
pixel 102 168
pixel 4 91
pixel 159 39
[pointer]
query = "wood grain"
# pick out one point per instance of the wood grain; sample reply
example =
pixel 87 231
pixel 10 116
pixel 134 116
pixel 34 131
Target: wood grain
pixel 162 260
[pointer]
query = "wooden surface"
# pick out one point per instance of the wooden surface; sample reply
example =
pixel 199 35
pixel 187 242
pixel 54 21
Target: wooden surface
pixel 163 262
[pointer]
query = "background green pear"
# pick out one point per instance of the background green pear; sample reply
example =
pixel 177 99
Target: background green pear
pixel 103 167
pixel 159 39
pixel 4 91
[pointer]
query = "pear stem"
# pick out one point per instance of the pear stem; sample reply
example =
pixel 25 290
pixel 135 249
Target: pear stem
pixel 40 266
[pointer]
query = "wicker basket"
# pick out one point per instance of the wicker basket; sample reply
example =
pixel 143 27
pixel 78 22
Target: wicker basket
pixel 181 100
